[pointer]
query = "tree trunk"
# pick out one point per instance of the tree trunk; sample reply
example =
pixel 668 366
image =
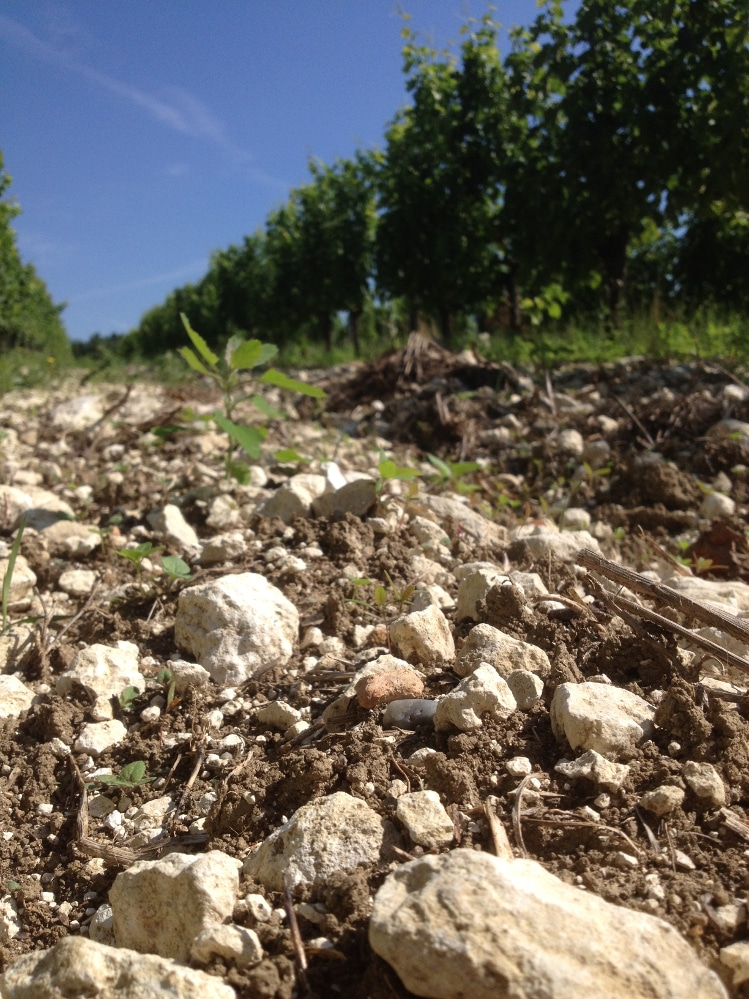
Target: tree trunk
pixel 613 256
pixel 353 329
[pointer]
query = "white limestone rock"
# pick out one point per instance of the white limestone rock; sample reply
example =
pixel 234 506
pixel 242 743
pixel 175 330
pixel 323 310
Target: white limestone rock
pixel 662 800
pixel 571 442
pixel 70 538
pixel 96 737
pixel 77 582
pixel 15 696
pixel 423 636
pixel 161 906
pixel 473 587
pixel 736 957
pixel 484 691
pixel 574 518
pixel 467 923
pixel 77 967
pixel 596 768
pixel 327 835
pixel 235 626
pixel 17 641
pixel 705 783
pixel 726 594
pixel 101 927
pixel 470 521
pixel 103 671
pixel 22 583
pixel 562 546
pixel 527 688
pixel 169 524
pixel 14 503
pixel 78 413
pixel 294 498
pixel 187 674
pixel 277 714
pixel 356 497
pixel 716 506
pixel 10 922
pixel 223 548
pixel 488 644
pixel 425 819
pixel 46 508
pixel 597 716
pixel 237 944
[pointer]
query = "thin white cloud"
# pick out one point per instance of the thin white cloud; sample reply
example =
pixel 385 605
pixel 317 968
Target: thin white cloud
pixel 178 109
pixel 177 169
pixel 196 269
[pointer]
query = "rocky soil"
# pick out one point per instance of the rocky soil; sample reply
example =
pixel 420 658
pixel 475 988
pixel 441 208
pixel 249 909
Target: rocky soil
pixel 390 737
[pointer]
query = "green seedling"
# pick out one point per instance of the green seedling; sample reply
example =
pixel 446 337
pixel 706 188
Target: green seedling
pixel 241 356
pixel 175 567
pixel 131 775
pixel 383 596
pixel 8 576
pixel 453 472
pixel 128 696
pixel 138 554
pixel 165 677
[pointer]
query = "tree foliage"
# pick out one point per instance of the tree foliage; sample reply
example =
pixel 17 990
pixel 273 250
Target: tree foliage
pixel 602 165
pixel 28 316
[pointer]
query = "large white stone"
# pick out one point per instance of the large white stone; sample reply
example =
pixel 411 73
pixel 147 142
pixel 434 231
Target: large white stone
pixel 236 626
pixel 233 943
pixel 330 834
pixel 103 671
pixel 727 594
pixel 46 508
pixel 15 696
pixel 505 653
pixel 78 413
pixel 70 538
pixel 76 967
pixel 423 636
pixel 294 498
pixel 562 546
pixel 705 782
pixel 469 520
pixel 484 691
pixel 22 583
pixel 467 923
pixel 170 525
pixel 96 737
pixel 601 717
pixel 355 497
pixel 425 819
pixel 473 587
pixel 161 906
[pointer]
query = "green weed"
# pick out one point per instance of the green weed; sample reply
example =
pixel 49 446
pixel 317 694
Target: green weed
pixel 241 356
pixel 8 575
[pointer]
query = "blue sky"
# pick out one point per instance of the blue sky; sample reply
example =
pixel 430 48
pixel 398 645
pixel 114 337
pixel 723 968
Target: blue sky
pixel 142 135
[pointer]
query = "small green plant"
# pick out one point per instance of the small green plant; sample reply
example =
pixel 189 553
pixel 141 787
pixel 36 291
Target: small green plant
pixel 383 596
pixel 8 576
pixel 173 565
pixel 131 775
pixel 241 356
pixel 449 472
pixel 128 696
pixel 165 677
pixel 138 554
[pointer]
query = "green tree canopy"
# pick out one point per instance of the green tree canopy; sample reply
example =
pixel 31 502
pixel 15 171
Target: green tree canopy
pixel 28 316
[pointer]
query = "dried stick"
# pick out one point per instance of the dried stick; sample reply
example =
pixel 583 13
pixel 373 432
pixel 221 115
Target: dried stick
pixel 500 840
pixel 300 958
pixel 721 654
pixel 516 814
pixel 659 591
